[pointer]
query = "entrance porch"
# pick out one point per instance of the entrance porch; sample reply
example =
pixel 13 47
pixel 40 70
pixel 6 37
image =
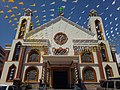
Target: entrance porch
pixel 60 71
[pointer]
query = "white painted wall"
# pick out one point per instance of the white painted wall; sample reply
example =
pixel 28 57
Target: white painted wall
pixel 5 71
pixel 113 66
pixel 71 31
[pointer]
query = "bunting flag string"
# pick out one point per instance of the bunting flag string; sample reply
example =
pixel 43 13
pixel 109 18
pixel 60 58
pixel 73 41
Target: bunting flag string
pixel 75 10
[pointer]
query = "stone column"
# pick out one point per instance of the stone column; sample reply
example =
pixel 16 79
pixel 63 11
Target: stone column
pixel 99 57
pixel 50 77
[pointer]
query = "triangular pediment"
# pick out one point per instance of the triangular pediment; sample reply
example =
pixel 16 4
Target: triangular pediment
pixel 56 20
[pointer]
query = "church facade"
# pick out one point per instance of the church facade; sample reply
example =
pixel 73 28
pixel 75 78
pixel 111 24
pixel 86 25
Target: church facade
pixel 59 53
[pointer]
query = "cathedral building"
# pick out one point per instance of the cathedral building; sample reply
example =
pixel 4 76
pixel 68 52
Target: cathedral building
pixel 2 57
pixel 59 53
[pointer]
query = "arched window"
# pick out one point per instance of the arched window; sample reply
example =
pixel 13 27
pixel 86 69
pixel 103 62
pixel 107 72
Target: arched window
pixel 31 74
pixel 34 56
pixel 109 72
pixel 99 30
pixel 89 74
pixel 17 51
pixel 104 52
pixel 87 57
pixel 22 29
pixel 11 73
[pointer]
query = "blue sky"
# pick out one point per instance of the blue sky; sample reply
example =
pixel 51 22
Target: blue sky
pixel 46 10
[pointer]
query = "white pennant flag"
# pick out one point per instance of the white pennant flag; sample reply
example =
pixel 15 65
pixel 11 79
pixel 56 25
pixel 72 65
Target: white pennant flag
pixel 52 9
pixel 75 1
pixel 113 2
pixel 63 6
pixel 64 0
pixel 52 3
pixel 44 16
pixel 52 15
pixel 44 11
pixel 43 5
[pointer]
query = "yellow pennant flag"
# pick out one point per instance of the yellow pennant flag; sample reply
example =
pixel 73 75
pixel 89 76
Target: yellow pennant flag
pixel 33 5
pixel 22 3
pixel 9 11
pixel 13 15
pixel 15 19
pixel 6 16
pixel 3 0
pixel 1 11
pixel 15 28
pixel 10 21
pixel 10 0
pixel 23 8
pixel 36 17
pixel 19 14
pixel 14 7
pixel 38 24
pixel 35 11
pixel 13 24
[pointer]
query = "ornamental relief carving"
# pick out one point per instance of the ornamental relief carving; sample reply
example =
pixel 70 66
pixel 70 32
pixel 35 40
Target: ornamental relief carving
pixel 60 51
pixel 78 49
pixel 60 38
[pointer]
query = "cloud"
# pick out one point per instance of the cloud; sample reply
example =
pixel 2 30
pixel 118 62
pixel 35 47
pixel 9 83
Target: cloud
pixel 118 57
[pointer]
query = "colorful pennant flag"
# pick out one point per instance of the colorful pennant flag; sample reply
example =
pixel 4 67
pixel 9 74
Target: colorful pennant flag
pixel 64 0
pixel 10 21
pixel 6 6
pixel 1 11
pixel 10 11
pixel 38 24
pixel 10 0
pixel 14 7
pixel 21 3
pixel 19 14
pixel 23 8
pixel 13 15
pixel 15 28
pixel 43 5
pixel 15 19
pixel 52 3
pixel 52 9
pixel 3 0
pixel 33 5
pixel 6 16
pixel 52 15
pixel 37 21
pixel 36 17
pixel 13 24
pixel 35 11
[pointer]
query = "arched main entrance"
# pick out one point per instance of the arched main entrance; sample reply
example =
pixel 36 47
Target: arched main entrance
pixel 61 77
